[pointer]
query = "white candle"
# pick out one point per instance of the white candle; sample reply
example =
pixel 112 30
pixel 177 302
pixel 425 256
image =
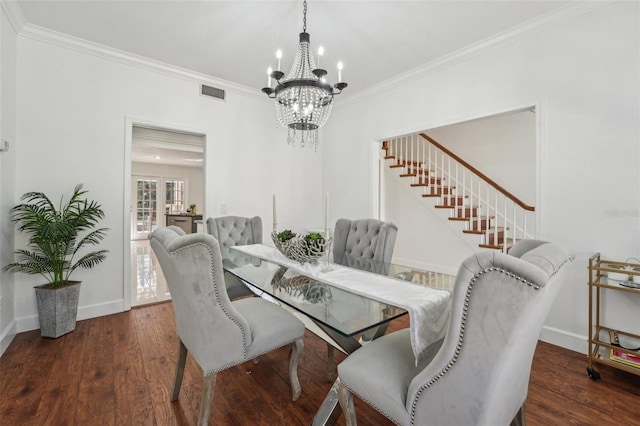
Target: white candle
pixel 320 53
pixel 279 56
pixel 326 216
pixel 274 212
pixel 339 72
pixel 269 71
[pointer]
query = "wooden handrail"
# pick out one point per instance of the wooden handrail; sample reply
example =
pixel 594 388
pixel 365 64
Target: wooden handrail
pixel 480 174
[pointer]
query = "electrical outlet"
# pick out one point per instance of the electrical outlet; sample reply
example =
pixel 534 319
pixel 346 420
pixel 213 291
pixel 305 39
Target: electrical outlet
pixel 224 208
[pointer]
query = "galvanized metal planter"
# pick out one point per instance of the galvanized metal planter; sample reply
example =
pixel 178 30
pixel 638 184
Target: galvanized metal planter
pixel 57 308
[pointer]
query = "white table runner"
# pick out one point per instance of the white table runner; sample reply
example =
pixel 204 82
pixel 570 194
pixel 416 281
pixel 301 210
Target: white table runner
pixel 428 308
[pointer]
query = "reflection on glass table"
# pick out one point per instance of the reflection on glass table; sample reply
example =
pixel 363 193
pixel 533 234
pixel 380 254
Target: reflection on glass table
pixel 335 310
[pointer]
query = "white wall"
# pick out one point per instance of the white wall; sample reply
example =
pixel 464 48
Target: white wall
pixel 72 109
pixel 586 83
pixel 8 42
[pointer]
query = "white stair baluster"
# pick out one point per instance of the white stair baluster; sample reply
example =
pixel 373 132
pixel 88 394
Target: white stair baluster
pixel 411 157
pixel 504 235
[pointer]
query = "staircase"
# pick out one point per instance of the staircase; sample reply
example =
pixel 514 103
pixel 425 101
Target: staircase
pixel 475 204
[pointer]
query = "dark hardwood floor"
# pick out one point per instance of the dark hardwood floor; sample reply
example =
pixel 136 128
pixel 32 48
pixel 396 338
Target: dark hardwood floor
pixel 117 370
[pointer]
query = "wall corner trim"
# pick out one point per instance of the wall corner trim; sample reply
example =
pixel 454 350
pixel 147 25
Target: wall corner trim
pixel 14 13
pixel 7 335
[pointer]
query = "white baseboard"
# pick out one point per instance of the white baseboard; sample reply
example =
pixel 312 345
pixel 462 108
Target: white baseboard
pixel 565 339
pixel 84 312
pixel 7 336
pixel 100 309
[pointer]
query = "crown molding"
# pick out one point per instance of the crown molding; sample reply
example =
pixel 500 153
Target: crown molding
pixel 105 52
pixel 14 13
pixel 573 10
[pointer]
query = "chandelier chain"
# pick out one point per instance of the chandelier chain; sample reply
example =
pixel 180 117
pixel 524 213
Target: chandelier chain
pixel 304 17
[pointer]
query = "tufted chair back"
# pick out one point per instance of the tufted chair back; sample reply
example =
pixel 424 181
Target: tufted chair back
pixel 364 238
pixel 235 230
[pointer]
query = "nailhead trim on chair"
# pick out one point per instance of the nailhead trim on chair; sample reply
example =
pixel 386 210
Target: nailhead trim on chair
pixel 215 287
pixel 465 312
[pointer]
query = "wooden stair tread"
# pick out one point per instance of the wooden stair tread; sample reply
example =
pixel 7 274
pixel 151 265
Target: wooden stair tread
pixel 453 206
pixel 509 243
pixel 434 180
pixel 460 219
pixel 438 194
pixel 481 218
pixel 487 232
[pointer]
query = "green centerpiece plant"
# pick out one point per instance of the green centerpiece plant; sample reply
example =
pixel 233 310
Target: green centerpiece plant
pixel 314 241
pixel 286 235
pixel 57 240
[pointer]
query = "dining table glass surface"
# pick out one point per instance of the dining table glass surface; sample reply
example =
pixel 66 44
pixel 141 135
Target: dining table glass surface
pixel 346 312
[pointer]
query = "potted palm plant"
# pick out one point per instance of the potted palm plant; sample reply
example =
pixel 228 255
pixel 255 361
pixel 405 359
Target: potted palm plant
pixel 58 237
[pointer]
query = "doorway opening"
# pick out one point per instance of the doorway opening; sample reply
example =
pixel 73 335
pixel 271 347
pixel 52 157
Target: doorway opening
pixel 452 210
pixel 167 188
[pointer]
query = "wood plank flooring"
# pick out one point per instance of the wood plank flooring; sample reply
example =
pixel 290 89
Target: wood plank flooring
pixel 118 370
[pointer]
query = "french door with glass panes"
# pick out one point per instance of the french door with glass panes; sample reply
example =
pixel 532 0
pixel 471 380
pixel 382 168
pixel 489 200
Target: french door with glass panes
pixel 149 194
pixel 144 216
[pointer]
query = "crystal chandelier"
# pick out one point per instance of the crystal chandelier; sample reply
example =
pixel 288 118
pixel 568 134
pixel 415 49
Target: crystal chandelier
pixel 303 98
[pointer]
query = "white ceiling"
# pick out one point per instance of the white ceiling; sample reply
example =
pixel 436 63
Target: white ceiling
pixel 236 40
pixel 166 147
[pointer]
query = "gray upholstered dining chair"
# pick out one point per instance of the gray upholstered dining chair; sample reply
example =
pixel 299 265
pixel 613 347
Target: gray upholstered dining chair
pixel 217 332
pixel 235 231
pixel 364 239
pixel 365 244
pixel 479 373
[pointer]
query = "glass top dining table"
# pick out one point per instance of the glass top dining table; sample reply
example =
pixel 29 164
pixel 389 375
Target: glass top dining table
pixel 337 309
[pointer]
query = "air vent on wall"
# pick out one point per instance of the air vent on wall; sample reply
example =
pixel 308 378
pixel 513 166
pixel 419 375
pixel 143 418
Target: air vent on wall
pixel 213 92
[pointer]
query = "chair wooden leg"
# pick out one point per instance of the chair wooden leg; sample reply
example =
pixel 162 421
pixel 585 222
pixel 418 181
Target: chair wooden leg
pixel 519 419
pixel 346 403
pixel 331 363
pixel 177 380
pixel 207 398
pixel 296 350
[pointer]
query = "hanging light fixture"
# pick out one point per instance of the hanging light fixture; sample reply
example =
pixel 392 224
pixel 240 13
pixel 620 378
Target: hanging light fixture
pixel 303 98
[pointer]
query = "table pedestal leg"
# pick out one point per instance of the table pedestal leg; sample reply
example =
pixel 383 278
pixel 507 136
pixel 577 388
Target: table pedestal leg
pixel 331 363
